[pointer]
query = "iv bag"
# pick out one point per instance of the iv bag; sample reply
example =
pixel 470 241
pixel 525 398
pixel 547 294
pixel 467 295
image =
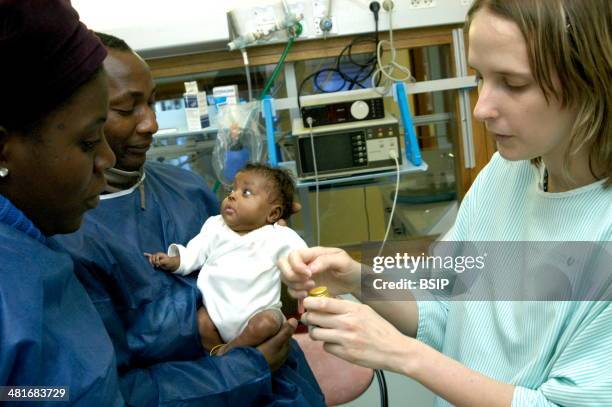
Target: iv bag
pixel 240 140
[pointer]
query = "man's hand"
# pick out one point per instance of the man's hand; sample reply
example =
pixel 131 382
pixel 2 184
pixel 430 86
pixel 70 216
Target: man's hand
pixel 276 348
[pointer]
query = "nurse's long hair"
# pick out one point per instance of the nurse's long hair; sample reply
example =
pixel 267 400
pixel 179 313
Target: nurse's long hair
pixel 569 43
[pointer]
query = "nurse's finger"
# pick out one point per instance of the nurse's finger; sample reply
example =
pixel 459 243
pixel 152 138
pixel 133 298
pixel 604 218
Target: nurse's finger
pixel 297 294
pixel 295 267
pixel 322 320
pixel 329 258
pixel 339 350
pixel 329 305
pixel 324 259
pixel 303 286
pixel 326 335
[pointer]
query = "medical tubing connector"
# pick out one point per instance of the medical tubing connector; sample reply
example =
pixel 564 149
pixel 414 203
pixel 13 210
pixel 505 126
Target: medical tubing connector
pixel 393 155
pixel 316 174
pixel 297 28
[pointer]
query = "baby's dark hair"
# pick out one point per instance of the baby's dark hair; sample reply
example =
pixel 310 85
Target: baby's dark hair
pixel 282 182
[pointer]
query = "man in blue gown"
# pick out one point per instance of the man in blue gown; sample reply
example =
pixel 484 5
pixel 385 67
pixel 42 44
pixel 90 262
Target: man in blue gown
pixel 152 316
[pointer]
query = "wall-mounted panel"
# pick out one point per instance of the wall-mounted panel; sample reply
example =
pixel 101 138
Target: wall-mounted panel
pixel 163 28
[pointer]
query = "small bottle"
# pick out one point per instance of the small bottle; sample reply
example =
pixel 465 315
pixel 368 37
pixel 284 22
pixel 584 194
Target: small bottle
pixel 321 291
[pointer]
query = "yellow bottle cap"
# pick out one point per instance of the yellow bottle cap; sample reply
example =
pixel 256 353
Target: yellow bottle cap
pixel 319 292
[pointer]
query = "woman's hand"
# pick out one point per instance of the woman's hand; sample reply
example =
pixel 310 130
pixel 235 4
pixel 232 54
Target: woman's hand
pixel 318 266
pixel 276 348
pixel 355 333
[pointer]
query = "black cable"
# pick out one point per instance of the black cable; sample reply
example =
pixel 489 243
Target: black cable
pixel 382 385
pixel 318 86
pixel 367 215
pixel 371 62
pixel 353 80
pixel 306 80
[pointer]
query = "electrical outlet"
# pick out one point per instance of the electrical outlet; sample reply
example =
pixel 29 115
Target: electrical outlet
pixel 421 3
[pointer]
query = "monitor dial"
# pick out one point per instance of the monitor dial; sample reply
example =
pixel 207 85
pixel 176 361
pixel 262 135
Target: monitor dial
pixel 360 109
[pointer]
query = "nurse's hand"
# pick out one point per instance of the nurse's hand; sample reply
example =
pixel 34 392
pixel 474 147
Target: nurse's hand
pixel 357 334
pixel 320 266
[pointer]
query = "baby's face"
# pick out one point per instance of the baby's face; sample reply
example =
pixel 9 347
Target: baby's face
pixel 248 205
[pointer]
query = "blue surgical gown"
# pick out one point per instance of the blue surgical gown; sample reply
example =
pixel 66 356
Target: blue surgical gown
pixel 151 315
pixel 50 332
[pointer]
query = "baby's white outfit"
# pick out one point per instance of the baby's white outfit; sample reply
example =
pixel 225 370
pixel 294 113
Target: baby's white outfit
pixel 238 273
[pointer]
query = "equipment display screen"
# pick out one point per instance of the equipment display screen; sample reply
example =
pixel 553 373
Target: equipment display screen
pixel 333 152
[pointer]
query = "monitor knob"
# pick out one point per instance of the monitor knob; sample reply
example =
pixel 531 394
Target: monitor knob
pixel 360 110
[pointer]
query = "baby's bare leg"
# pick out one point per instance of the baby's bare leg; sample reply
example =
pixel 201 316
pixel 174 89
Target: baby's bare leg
pixel 260 327
pixel 209 335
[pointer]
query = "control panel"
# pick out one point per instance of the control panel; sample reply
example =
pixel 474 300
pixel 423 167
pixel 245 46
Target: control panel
pixel 344 112
pixel 345 149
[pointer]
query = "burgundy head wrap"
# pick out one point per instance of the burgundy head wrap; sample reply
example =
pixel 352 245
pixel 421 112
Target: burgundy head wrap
pixel 46 53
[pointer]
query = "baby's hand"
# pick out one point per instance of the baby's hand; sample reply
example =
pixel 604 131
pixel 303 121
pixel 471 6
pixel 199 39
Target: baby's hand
pixel 163 261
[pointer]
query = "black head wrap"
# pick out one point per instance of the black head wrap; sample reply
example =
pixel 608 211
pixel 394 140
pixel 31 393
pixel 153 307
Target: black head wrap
pixel 46 54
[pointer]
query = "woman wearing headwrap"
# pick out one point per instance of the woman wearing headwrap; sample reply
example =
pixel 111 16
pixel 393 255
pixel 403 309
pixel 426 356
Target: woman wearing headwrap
pixel 53 154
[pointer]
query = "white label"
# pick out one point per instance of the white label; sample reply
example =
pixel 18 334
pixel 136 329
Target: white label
pixel 265 18
pixel 202 103
pixel 191 87
pixel 421 3
pixel 378 149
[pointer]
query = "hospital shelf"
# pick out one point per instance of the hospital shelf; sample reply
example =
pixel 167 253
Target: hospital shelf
pixel 405 168
pixel 176 134
pixel 179 150
pixel 171 145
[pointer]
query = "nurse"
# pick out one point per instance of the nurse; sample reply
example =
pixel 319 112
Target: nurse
pixel 53 154
pixel 156 320
pixel 545 86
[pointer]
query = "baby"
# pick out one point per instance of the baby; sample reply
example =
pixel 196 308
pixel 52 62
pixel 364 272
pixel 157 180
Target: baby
pixel 237 253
